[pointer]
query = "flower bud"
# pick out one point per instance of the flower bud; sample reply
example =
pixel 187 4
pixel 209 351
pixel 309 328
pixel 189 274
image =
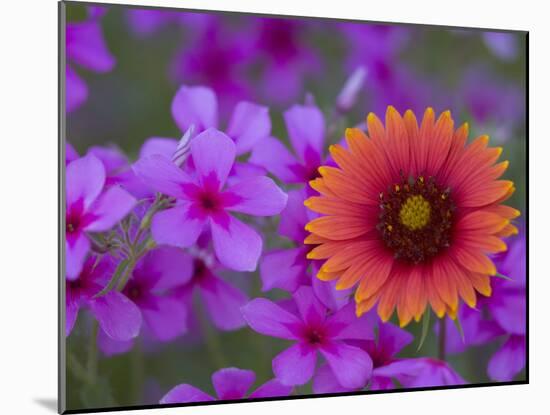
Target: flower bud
pixel 348 95
pixel 184 147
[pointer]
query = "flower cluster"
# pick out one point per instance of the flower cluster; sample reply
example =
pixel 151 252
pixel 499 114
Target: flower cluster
pixel 317 238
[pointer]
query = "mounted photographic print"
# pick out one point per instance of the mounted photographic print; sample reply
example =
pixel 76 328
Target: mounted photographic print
pixel 273 207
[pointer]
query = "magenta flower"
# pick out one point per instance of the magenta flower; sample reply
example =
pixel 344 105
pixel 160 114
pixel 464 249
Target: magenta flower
pixel 306 131
pixel 146 22
pixel 230 384
pixel 508 307
pixel 286 57
pixel 386 367
pixel 118 170
pixel 222 65
pixel 118 317
pixel 313 331
pixel 203 204
pixel 89 208
pixel 491 100
pixel 198 106
pixel 503 45
pixel 288 269
pixel 151 287
pixel 222 300
pixel 85 47
pixel 425 372
pixel 70 153
pixel 499 317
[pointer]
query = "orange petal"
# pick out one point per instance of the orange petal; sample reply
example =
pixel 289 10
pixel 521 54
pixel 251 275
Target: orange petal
pixel 338 228
pixel 463 283
pixel 444 282
pixel 504 211
pixel 375 127
pixel 473 260
pixel 485 243
pixel 349 254
pixel 488 194
pixel 440 143
pixel 328 249
pixel 416 291
pixel 334 206
pixel 403 312
pixel 313 239
pixel 481 221
pixel 481 282
pixel 398 146
pixel 345 186
pixel 374 279
pixel 388 299
pixel 320 186
pixel 366 305
pixel 508 230
pixel 457 147
pixel 371 266
pixel 327 276
pixel 438 306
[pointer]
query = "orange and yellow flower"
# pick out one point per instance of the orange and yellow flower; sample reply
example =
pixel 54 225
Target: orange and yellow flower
pixel 410 215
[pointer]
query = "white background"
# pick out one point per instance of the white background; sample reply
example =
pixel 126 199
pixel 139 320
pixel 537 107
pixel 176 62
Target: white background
pixel 28 204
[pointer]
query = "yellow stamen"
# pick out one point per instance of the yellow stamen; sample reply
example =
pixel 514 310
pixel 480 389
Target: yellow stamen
pixel 415 212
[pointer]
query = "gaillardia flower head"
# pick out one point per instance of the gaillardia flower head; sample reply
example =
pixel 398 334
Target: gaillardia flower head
pixel 410 215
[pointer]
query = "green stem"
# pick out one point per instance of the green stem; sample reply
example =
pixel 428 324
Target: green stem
pixel 442 339
pixel 77 369
pixel 127 273
pixel 213 343
pixel 138 370
pixel 93 353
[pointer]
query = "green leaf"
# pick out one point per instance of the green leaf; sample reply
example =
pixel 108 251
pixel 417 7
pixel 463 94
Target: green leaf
pixel 459 328
pixel 425 328
pixel 504 277
pixel 114 279
pixel 97 395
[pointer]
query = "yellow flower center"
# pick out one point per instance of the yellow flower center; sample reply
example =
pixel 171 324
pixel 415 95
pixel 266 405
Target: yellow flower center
pixel 415 212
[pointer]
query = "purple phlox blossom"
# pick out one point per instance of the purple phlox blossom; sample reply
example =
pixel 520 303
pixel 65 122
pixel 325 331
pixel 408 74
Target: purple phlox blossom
pixel 503 45
pixel 85 47
pixel 377 48
pixel 195 109
pixel 313 331
pixel 508 304
pixel 118 170
pixel 89 208
pixel 491 99
pixel 306 131
pixel 197 106
pixel 286 57
pixel 500 316
pixel 424 372
pixel 229 384
pixel 223 65
pixel 386 366
pixel 288 269
pixel 152 287
pixel 70 153
pixel 221 299
pixel 118 317
pixel 202 203
pixel 146 22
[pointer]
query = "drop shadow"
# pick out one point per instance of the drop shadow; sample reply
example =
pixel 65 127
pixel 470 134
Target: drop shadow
pixel 48 403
